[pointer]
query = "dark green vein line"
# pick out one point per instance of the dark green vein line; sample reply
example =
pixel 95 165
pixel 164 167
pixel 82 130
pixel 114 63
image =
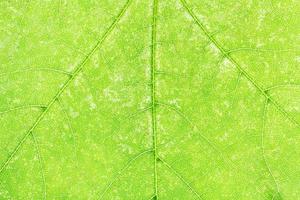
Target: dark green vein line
pixel 58 71
pixel 195 129
pixel 66 84
pixel 263 129
pixel 232 60
pixel 284 85
pixel 259 50
pixel 41 165
pixel 121 172
pixel 72 130
pixel 153 94
pixel 181 178
pixel 22 108
pixel 152 197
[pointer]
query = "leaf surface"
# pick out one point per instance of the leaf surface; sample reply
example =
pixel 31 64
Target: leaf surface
pixel 177 99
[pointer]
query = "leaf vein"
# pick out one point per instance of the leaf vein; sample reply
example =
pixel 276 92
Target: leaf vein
pixel 181 178
pixel 120 173
pixel 41 165
pixel 236 64
pixel 40 106
pixel 265 110
pixel 153 93
pixel 67 83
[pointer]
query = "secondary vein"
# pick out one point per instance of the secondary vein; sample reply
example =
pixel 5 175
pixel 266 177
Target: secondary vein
pixel 226 54
pixel 66 84
pixel 153 94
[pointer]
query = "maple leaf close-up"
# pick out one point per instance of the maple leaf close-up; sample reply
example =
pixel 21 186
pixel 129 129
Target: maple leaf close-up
pixel 149 100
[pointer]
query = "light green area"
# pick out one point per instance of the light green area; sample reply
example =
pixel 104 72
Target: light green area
pixel 150 99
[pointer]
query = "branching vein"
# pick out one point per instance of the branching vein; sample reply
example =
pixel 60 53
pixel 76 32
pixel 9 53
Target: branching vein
pixel 263 145
pixel 233 61
pixel 41 165
pixel 181 178
pixel 75 73
pixel 121 172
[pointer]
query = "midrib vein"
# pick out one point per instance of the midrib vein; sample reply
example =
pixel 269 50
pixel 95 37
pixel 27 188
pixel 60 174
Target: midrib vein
pixel 153 95
pixel 75 73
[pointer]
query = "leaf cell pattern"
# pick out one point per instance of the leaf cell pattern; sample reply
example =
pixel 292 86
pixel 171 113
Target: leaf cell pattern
pixel 154 99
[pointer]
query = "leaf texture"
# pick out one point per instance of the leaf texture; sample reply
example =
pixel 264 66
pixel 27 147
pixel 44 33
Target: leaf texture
pixel 152 99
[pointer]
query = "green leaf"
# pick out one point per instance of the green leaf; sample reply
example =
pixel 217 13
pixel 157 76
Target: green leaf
pixel 150 99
